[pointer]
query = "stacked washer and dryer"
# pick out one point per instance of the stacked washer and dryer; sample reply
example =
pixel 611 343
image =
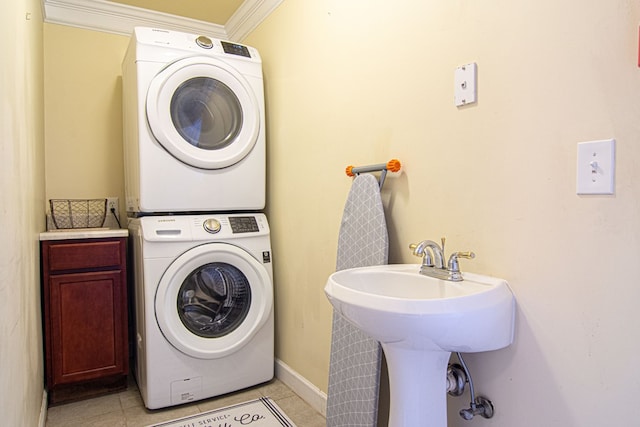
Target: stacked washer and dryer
pixel 194 148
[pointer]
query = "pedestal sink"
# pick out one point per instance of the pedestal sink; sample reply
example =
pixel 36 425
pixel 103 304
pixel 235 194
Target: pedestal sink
pixel 419 321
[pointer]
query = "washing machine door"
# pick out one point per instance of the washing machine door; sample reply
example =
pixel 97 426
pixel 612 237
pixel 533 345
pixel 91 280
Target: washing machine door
pixel 203 112
pixel 212 300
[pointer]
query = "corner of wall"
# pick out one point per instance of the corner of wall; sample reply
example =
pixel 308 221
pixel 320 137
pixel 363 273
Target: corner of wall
pixel 311 394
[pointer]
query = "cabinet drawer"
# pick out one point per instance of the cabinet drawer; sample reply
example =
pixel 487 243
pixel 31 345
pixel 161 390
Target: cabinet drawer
pixel 77 255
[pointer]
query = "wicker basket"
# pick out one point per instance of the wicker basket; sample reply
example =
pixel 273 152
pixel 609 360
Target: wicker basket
pixel 78 213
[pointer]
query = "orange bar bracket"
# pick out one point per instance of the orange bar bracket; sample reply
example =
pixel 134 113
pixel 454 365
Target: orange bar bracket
pixel 392 165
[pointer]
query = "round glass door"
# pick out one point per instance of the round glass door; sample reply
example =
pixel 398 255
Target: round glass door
pixel 203 112
pixel 206 113
pixel 212 300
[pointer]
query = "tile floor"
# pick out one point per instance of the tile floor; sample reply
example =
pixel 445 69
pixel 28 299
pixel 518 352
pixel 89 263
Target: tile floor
pixel 125 409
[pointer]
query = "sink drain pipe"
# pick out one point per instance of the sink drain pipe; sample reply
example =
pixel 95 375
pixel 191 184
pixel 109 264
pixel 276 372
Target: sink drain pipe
pixel 457 376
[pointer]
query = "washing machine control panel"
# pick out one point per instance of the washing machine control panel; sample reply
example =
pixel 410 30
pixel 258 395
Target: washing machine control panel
pixel 239 224
pixel 243 224
pixel 212 225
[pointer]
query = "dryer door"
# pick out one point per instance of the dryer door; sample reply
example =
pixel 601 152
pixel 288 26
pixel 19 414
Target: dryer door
pixel 203 112
pixel 212 300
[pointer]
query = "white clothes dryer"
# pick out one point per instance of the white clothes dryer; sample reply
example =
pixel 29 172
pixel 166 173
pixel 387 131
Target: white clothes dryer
pixel 194 126
pixel 203 305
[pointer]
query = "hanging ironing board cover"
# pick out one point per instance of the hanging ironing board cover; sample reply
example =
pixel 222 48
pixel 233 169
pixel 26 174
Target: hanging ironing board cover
pixel 354 371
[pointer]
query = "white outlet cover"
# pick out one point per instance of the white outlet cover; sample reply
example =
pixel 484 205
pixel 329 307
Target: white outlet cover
pixel 596 167
pixel 465 81
pixel 109 220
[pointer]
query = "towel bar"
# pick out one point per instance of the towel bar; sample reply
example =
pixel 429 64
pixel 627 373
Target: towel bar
pixel 392 165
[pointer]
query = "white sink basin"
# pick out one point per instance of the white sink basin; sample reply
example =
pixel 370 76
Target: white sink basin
pixel 394 303
pixel 419 321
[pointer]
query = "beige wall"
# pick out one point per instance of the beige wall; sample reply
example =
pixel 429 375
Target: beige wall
pixel 21 214
pixel 360 82
pixel 83 113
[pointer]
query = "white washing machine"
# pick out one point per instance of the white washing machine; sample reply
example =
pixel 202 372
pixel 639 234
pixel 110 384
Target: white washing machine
pixel 203 305
pixel 194 127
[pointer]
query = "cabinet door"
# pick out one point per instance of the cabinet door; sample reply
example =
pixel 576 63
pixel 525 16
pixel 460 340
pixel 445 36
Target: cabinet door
pixel 88 319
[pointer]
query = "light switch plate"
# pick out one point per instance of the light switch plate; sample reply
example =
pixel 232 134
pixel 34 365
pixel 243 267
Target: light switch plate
pixel 596 167
pixel 465 80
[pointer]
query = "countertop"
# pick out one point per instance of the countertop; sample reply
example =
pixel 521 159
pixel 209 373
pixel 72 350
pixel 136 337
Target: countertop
pixel 83 233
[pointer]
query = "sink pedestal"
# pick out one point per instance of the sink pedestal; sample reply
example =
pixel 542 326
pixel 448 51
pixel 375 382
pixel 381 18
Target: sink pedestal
pixel 420 320
pixel 417 385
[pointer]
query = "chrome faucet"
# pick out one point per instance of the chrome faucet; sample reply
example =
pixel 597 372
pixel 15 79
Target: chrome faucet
pixel 433 260
pixel 429 251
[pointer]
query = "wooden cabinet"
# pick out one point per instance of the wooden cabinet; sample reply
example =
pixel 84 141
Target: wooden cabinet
pixel 85 317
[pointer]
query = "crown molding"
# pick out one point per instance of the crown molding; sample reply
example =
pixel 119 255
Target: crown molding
pixel 116 18
pixel 248 16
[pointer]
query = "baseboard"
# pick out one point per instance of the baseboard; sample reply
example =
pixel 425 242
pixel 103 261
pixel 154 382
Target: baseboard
pixel 42 421
pixel 302 387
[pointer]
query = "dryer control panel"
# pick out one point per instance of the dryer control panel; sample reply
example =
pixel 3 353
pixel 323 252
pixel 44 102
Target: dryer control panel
pixel 235 49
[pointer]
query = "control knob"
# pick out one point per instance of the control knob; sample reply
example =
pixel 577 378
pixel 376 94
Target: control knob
pixel 211 225
pixel 204 42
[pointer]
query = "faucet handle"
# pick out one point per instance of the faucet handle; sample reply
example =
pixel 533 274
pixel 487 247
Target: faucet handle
pixel 453 260
pixel 467 255
pixel 415 250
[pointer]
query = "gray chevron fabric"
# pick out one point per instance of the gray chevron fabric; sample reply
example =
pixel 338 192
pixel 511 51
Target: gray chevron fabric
pixel 354 371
